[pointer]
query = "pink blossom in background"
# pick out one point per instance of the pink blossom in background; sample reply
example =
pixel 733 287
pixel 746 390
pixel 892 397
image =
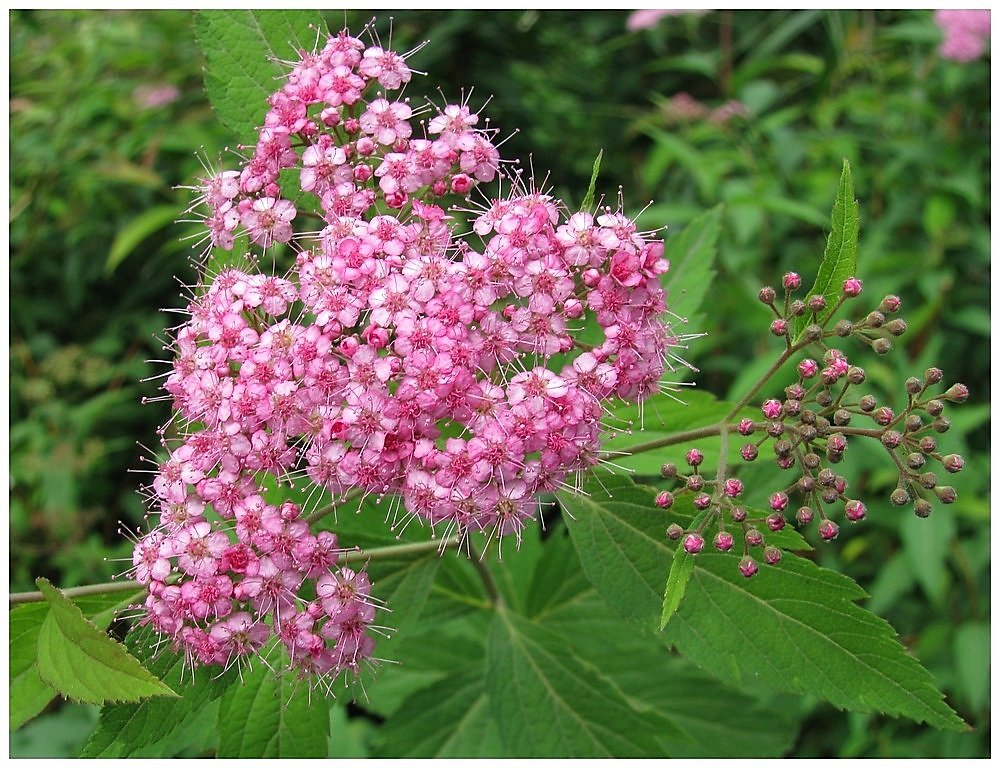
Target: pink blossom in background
pixel 965 33
pixel 153 96
pixel 650 17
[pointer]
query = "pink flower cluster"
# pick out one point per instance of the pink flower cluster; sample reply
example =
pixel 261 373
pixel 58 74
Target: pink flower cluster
pixel 396 357
pixel 965 33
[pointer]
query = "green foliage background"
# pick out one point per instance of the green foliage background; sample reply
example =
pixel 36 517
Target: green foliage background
pixel 94 255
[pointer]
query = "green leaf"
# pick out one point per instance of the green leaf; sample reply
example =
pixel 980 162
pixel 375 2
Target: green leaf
pixel 137 230
pixel 680 573
pixel 588 199
pixel 692 263
pixel 550 703
pixel 272 716
pixel 793 627
pixel 83 663
pixel 451 718
pixel 29 694
pixel 841 254
pixel 712 719
pixel 796 628
pixel 243 50
pixel 972 659
pixel 157 727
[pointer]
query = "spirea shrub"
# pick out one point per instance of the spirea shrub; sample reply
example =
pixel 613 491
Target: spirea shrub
pixel 393 320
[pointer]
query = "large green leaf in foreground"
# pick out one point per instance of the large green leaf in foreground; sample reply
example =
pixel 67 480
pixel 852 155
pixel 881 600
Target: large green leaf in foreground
pixel 794 627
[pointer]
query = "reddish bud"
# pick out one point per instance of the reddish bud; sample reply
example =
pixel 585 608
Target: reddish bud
pixel 674 531
pixel 854 510
pixel 753 537
pixel 771 409
pixel 828 530
pixel 723 541
pixel 748 452
pixel 852 287
pixel 766 295
pixel 772 555
pixel 883 416
pixel 804 515
pixel 779 327
pixel 946 494
pixel 791 281
pixel 778 501
pixel 664 499
pixel 738 514
pixel 899 497
pixel 745 427
pixel 957 393
pixel 953 463
pixel 933 376
pixel 694 457
pixel 922 508
pixel 669 470
pixel 733 487
pixel 808 368
pixel 891 304
pixel 693 543
pixel 775 521
pixel 747 566
pixel 702 501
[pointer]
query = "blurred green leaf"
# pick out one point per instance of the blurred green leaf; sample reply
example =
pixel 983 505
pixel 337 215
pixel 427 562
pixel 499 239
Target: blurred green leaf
pixel 972 658
pixel 132 234
pixel 692 264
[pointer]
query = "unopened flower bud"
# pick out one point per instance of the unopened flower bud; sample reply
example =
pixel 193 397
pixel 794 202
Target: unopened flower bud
pixel 933 376
pixel 927 444
pixel 896 326
pixel 927 480
pixel 693 543
pixel 747 566
pixel 766 295
pixel 824 398
pixel 836 443
pixel 883 416
pixel 791 281
pixel 668 470
pixel 745 427
pixel 775 521
pixel 814 332
pixel 807 433
pixel 785 462
pixel 771 409
pixel 854 510
pixel 702 501
pixel 891 304
pixel 875 320
pixel 856 374
pixel 922 508
pixel 867 403
pixel 816 303
pixel 674 531
pixel 826 477
pixel 748 452
pixel 811 461
pixel 695 483
pixel 957 393
pixel 738 514
pixel 828 530
pixel 844 328
pixel 946 494
pixel 797 308
pixel 808 368
pixel 852 287
pixel 795 391
pixel 775 428
pixel 829 495
pixel 778 501
pixel 694 457
pixel 732 487
pixel 723 541
pixel 753 537
pixel 573 308
pixel 953 462
pixel 772 555
pixel 941 424
pixel 934 407
pixel 915 460
pixel 881 346
pixel 804 515
pixel 841 417
pixel 899 497
pixel 891 439
pixel 913 385
pixel 779 327
pixel 808 417
pixel 782 448
pixel 913 423
pixel 664 499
